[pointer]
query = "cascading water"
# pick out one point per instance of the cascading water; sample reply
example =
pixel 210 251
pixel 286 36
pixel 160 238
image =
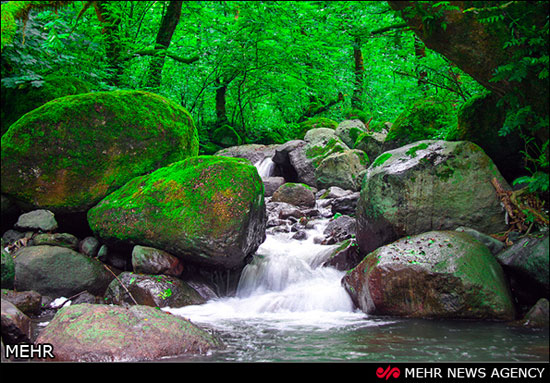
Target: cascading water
pixel 266 167
pixel 285 284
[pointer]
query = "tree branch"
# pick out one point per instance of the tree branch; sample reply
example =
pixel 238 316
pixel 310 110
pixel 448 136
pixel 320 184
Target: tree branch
pixel 155 52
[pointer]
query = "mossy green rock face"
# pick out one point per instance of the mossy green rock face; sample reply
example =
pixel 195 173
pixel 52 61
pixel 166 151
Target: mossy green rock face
pixel 207 210
pixel 226 136
pixel 428 185
pixel 104 333
pixel 432 275
pixel 316 123
pixel 18 101
pixel 58 271
pixel 70 153
pixel 421 121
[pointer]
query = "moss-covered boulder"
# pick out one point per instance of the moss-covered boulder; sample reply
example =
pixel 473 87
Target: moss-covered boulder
pixel 226 136
pixel 423 120
pixel 104 333
pixel 68 154
pixel 479 121
pixel 432 275
pixel 372 143
pixel 428 185
pixel 344 170
pixel 207 210
pixel 58 271
pixel 315 123
pixel 16 102
pixel 349 130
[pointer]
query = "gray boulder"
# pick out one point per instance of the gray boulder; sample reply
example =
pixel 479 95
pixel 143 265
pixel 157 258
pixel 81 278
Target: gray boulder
pixel 428 185
pixel 37 220
pixel 151 290
pixel 59 271
pixel 135 333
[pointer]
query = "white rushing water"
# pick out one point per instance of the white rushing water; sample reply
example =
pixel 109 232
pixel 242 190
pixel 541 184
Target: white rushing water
pixel 266 167
pixel 285 286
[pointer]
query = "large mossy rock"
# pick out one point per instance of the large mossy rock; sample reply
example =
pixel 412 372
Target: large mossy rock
pixel 104 333
pixel 70 153
pixel 422 120
pixel 226 136
pixel 24 98
pixel 315 123
pixel 58 271
pixel 207 210
pixel 432 275
pixel 428 185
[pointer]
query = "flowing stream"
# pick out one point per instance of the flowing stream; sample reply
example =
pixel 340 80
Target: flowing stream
pixel 288 307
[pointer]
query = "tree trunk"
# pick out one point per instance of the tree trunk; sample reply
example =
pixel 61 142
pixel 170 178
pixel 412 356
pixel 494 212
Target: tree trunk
pixel 111 23
pixel 168 25
pixel 419 54
pixel 477 47
pixel 221 102
pixel 359 73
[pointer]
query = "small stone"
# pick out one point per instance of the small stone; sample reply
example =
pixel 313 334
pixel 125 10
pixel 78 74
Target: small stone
pixel 37 220
pixel 89 246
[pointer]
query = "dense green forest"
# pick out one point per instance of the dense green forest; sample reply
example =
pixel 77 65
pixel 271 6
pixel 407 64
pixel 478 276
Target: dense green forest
pixel 261 67
pixel 265 72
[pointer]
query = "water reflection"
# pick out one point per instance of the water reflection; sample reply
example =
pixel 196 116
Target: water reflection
pixel 382 339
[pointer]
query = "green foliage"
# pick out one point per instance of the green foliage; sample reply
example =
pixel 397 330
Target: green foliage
pixel 424 119
pixel 527 47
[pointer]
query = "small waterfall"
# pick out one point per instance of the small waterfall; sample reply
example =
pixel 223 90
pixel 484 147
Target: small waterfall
pixel 285 283
pixel 266 167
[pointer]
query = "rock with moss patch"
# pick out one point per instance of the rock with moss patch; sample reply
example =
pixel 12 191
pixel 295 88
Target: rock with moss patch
pixel 349 131
pixel 151 290
pixel 537 316
pixel 428 185
pixel 56 239
pixel 68 154
pixel 208 210
pixel 345 170
pixel 372 143
pixel 26 97
pixel 104 333
pixel 432 275
pixel 58 271
pixel 316 123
